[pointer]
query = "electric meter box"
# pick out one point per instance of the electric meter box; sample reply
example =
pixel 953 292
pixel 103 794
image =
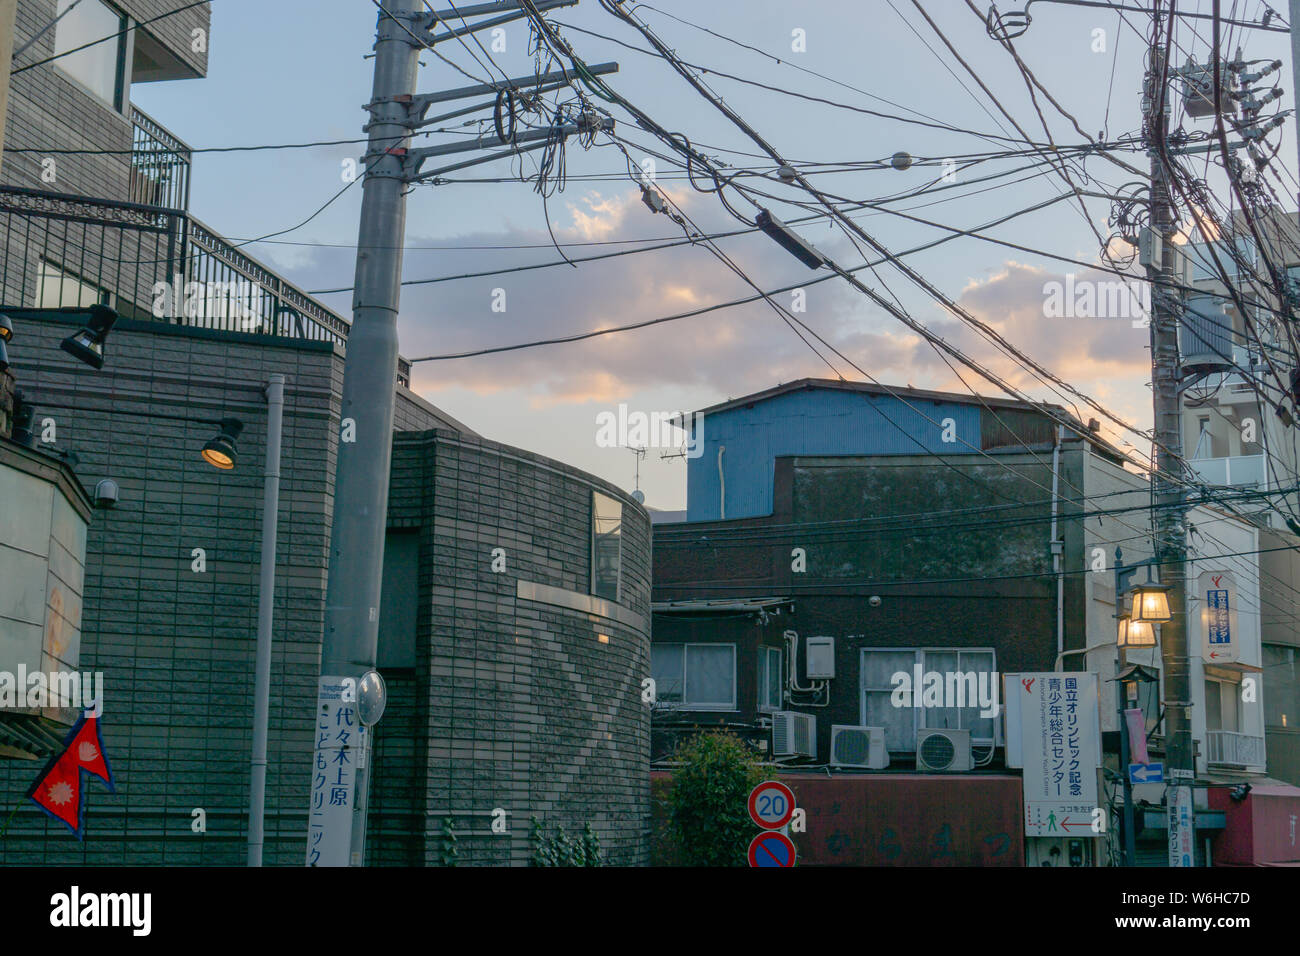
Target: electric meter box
pixel 821 658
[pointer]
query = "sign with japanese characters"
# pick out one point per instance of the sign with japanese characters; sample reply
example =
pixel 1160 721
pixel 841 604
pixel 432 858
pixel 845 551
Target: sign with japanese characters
pixel 1179 800
pixel 1060 730
pixel 1218 593
pixel 339 752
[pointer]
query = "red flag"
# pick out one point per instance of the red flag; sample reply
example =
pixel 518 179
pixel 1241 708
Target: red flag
pixel 57 790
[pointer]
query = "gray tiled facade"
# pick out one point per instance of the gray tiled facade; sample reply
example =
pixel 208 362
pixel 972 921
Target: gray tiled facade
pixel 516 704
pixel 511 703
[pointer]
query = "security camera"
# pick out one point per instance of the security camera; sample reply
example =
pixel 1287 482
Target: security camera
pixel 106 493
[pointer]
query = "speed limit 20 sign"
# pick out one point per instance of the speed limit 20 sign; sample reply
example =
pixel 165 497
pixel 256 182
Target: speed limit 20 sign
pixel 771 805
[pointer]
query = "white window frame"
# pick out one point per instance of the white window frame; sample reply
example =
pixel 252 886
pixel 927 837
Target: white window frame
pixel 764 676
pixel 124 47
pixel 918 655
pixel 685 703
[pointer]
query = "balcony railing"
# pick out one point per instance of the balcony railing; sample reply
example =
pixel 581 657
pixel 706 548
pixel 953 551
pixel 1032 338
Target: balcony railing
pixel 1225 748
pixel 1237 471
pixel 59 249
pixel 160 164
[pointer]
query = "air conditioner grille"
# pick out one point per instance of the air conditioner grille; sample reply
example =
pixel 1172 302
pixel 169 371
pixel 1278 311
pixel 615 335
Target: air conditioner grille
pixel 852 747
pixel 937 751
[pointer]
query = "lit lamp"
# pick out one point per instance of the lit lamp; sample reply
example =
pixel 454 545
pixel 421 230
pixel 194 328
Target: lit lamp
pixel 6 333
pixel 1151 603
pixel 1135 633
pixel 220 451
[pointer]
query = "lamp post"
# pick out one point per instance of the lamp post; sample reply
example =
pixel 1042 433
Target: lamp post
pixel 1133 630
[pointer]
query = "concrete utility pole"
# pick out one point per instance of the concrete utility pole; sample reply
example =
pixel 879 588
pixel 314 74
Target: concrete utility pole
pixel 365 447
pixel 1295 63
pixel 337 821
pixel 1171 520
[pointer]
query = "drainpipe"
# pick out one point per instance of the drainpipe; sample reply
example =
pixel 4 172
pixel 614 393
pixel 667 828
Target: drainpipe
pixel 722 486
pixel 265 613
pixel 1058 546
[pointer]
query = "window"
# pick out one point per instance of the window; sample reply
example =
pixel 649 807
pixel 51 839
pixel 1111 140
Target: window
pixel 879 665
pixel 694 676
pixel 1281 686
pixel 100 68
pixel 1221 712
pixel 606 545
pixel 58 288
pixel 771 680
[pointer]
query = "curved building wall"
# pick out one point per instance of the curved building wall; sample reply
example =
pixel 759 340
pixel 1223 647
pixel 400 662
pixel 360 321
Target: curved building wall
pixel 512 689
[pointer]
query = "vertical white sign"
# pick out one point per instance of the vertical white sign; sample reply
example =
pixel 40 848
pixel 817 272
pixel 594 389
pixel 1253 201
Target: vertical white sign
pixel 1218 592
pixel 340 746
pixel 1178 796
pixel 1060 729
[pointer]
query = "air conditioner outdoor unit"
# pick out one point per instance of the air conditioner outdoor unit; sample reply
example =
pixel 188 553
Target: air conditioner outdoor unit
pixel 794 734
pixel 943 751
pixel 858 747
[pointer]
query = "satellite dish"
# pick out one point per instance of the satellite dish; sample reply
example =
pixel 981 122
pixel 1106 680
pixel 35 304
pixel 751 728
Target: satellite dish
pixel 638 496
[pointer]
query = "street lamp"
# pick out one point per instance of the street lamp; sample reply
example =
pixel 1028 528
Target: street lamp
pixel 1133 630
pixel 1151 603
pixel 1135 633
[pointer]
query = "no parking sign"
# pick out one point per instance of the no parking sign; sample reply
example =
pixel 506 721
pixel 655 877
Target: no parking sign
pixel 771 805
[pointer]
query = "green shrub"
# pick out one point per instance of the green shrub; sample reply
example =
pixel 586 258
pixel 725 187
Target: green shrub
pixel 710 798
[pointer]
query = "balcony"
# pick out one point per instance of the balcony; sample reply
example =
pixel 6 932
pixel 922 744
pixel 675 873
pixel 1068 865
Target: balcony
pixel 1224 748
pixel 160 165
pixel 61 249
pixel 1240 471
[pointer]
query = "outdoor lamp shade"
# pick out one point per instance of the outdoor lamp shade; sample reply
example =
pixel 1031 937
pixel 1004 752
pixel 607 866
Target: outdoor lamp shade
pixel 220 452
pixel 1135 633
pixel 87 344
pixel 6 328
pixel 1151 603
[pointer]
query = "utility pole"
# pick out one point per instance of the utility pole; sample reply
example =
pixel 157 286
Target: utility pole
pixel 1295 63
pixel 340 769
pixel 351 635
pixel 1171 518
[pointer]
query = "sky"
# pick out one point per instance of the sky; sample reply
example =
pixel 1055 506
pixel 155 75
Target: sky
pixel 294 72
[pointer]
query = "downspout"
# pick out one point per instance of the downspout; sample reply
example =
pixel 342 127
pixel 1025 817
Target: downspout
pixel 722 487
pixel 1058 546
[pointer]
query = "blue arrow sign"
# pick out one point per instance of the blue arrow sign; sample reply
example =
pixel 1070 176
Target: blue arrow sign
pixel 1146 773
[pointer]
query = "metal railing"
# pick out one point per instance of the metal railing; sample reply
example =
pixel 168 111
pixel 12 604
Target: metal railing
pixel 150 263
pixel 160 164
pixel 1230 749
